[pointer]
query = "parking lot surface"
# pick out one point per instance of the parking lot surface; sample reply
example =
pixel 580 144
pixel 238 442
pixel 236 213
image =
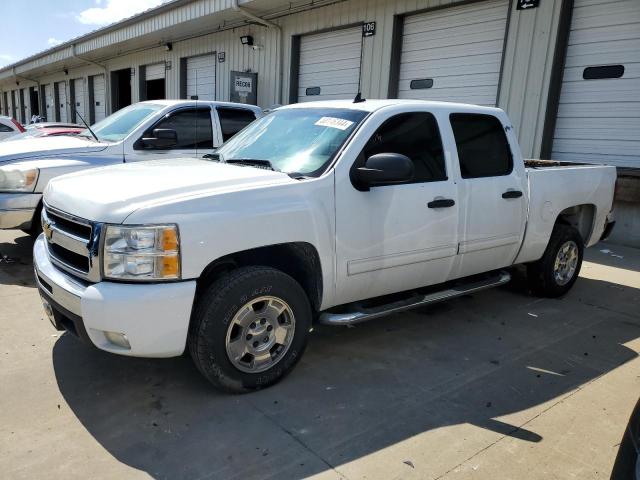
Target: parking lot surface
pixel 496 385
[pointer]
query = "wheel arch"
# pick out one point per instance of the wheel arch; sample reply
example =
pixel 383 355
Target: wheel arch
pixel 581 217
pixel 300 260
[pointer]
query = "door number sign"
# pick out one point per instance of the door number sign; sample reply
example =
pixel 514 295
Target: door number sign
pixel 527 4
pixel 368 29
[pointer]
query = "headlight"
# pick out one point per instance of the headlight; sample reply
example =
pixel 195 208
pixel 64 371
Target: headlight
pixel 16 179
pixel 144 253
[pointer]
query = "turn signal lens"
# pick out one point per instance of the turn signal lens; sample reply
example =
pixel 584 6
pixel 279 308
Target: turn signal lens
pixel 30 177
pixel 169 240
pixel 170 267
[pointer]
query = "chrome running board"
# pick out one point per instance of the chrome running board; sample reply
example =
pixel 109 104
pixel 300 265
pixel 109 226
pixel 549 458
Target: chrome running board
pixel 361 314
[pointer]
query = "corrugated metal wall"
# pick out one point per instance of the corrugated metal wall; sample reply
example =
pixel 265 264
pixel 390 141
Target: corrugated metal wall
pixel 527 65
pixel 526 71
pixel 524 83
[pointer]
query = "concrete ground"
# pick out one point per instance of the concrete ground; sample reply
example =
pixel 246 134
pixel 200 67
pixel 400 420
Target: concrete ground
pixel 497 385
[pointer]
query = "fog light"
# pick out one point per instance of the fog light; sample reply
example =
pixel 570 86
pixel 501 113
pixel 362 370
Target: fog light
pixel 119 339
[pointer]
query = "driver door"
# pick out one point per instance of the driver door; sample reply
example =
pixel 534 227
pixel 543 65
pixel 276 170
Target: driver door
pixel 394 237
pixel 193 127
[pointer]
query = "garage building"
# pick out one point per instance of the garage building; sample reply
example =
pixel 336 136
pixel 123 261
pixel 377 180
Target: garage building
pixel 567 72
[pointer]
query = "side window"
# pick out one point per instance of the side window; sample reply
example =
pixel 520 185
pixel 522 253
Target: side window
pixel 483 149
pixel 232 120
pixel 415 135
pixel 193 128
pixel 5 128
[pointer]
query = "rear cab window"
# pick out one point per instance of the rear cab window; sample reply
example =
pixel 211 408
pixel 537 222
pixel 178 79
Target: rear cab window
pixel 483 148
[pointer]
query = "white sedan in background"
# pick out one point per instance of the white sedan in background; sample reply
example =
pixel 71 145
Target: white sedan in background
pixel 9 127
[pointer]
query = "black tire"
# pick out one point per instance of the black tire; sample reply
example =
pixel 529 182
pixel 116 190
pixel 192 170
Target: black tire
pixel 36 223
pixel 540 274
pixel 217 307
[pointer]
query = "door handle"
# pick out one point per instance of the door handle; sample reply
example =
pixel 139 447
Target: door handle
pixel 441 203
pixel 512 194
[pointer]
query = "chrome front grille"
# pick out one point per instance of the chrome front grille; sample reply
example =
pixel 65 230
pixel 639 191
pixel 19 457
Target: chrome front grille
pixel 72 243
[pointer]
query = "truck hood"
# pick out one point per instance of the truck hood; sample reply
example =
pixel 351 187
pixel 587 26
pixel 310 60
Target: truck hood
pixel 47 146
pixel 111 194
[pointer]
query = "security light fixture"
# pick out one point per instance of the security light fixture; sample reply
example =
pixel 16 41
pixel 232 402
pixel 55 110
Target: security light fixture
pixel 66 71
pixel 168 46
pixel 246 40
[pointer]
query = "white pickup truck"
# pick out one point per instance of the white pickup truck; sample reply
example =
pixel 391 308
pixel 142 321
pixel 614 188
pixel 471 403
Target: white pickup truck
pixel 143 131
pixel 335 212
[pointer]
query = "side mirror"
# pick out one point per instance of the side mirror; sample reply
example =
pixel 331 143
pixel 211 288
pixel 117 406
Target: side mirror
pixel 384 169
pixel 162 138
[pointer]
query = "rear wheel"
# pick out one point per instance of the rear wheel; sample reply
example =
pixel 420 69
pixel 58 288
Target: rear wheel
pixel 249 329
pixel 558 269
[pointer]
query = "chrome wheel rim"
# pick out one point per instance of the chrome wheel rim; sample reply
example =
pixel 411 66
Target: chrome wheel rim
pixel 566 263
pixel 260 334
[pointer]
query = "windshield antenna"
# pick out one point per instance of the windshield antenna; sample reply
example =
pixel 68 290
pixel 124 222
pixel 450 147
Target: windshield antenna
pixel 359 98
pixel 86 124
pixel 195 128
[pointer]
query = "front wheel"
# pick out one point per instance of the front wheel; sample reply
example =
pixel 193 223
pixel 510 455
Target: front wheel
pixel 558 269
pixel 36 224
pixel 249 329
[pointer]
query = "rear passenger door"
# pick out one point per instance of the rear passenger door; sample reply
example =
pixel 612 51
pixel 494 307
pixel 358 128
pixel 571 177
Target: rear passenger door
pixel 492 192
pixel 193 127
pixel 232 120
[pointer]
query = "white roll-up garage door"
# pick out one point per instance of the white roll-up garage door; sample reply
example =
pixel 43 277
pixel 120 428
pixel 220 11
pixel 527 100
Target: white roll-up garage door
pixel 155 71
pixel 49 103
pixel 62 101
pixel 454 54
pixel 201 77
pixel 26 106
pixel 599 110
pixel 330 65
pixel 78 91
pixel 99 97
pixel 12 104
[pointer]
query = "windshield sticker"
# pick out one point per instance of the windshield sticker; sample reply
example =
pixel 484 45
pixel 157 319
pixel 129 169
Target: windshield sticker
pixel 334 122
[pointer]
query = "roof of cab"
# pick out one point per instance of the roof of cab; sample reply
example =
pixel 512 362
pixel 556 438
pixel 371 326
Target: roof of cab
pixel 169 103
pixel 373 105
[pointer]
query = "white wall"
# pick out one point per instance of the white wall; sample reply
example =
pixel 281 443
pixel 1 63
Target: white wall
pixel 524 85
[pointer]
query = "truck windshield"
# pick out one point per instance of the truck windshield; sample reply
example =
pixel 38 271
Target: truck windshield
pixel 117 126
pixel 297 140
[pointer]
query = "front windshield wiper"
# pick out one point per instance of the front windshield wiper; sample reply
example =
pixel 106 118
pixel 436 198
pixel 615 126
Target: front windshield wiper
pixel 298 176
pixel 266 164
pixel 253 162
pixel 212 156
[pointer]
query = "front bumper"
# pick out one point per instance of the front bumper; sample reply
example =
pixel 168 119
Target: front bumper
pixel 17 209
pixel 154 317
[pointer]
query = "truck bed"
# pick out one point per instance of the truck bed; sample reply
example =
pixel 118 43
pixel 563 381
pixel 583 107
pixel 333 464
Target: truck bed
pixel 557 186
pixel 537 163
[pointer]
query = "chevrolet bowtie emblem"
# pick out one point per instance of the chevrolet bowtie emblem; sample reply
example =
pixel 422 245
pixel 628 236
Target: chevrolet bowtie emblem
pixel 48 231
